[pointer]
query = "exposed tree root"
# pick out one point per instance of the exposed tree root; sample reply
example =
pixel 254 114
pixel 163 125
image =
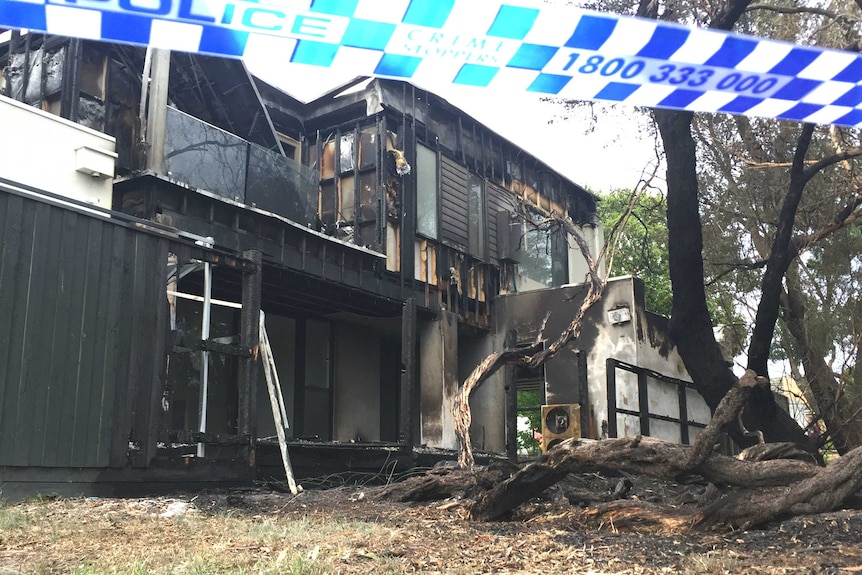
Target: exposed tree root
pixel 741 493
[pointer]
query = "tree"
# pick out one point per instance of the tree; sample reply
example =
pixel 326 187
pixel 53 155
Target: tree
pixel 690 323
pixel 788 194
pixel 743 178
pixel 769 488
pixel 642 247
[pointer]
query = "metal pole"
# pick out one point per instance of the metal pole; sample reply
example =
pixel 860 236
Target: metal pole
pixel 205 335
pixel 145 90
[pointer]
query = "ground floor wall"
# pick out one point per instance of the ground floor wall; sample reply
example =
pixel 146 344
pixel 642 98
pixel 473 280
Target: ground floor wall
pixel 622 370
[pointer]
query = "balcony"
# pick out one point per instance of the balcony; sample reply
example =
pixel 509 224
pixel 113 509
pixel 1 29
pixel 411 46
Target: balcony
pixel 208 158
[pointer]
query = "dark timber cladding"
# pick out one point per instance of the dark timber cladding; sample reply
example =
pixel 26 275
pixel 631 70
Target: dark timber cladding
pixel 82 349
pixel 498 200
pixel 453 185
pixel 79 299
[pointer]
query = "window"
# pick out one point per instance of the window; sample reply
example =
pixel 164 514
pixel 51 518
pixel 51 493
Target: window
pixel 530 387
pixel 543 255
pixel 476 216
pixel 427 191
pixel 292 148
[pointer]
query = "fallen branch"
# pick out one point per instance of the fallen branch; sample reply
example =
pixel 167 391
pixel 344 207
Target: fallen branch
pixel 636 455
pixel 647 456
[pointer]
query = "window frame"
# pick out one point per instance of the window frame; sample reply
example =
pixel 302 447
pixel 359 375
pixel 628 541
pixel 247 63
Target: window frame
pixel 423 207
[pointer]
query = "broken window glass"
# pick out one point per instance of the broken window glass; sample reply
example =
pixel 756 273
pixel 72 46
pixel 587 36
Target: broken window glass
pixel 281 186
pixel 427 190
pixel 367 147
pixel 346 154
pixel 543 255
pixel 476 215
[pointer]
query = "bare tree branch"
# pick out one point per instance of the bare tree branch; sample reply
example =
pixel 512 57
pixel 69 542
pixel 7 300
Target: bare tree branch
pixel 812 170
pixel 803 10
pixel 532 356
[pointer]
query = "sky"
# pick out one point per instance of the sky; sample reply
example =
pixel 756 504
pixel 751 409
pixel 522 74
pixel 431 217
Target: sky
pixel 611 153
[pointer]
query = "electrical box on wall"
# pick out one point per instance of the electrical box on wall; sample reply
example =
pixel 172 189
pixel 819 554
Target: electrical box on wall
pixel 560 422
pixel 620 315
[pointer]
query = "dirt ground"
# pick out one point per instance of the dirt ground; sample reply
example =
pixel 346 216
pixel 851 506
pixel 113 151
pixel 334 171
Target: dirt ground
pixel 350 530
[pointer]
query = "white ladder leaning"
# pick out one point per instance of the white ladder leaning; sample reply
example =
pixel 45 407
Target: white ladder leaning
pixel 276 399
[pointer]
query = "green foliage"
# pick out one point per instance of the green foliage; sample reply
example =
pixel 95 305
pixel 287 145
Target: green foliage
pixel 11 519
pixel 527 443
pixel 642 245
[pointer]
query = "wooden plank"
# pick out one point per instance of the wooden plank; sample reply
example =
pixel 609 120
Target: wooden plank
pixel 12 264
pixel 90 270
pixel 150 385
pixel 112 321
pixel 126 353
pixel 28 431
pixel 249 339
pixel 76 279
pixel 453 166
pixel 57 365
pixel 455 203
pixel 454 217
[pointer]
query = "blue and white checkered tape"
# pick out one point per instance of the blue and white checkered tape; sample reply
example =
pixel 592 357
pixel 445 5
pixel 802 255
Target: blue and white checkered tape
pixel 504 46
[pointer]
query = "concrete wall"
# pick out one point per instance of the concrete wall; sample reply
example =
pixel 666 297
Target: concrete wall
pixel 488 402
pixel 641 339
pixel 655 352
pixel 611 341
pixel 438 380
pixel 46 152
pixel 356 388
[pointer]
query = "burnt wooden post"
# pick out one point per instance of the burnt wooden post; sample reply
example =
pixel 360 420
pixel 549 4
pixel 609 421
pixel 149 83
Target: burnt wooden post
pixel 643 401
pixel 409 185
pixel 71 88
pixel 301 334
pixel 249 339
pixel 684 437
pixel 408 373
pixel 157 111
pixel 584 394
pixel 511 387
pixel 611 367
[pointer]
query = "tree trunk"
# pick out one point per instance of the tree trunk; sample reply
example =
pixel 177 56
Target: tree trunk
pixel 842 422
pixel 781 255
pixel 690 324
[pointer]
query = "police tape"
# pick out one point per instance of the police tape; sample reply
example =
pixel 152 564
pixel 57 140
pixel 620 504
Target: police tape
pixel 503 46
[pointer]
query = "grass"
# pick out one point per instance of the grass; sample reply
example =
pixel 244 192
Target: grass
pixel 11 518
pixel 109 538
pixel 710 563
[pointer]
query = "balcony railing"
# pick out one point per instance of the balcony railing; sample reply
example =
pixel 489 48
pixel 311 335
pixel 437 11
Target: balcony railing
pixel 209 158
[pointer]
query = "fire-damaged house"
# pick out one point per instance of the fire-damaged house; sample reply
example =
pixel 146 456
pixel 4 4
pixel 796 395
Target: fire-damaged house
pixel 153 204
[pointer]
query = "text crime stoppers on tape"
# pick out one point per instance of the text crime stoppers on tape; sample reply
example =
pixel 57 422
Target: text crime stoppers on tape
pixel 502 46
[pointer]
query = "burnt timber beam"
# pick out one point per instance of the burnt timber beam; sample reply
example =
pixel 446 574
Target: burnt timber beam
pixel 71 89
pixel 408 373
pixel 285 245
pixel 511 387
pixel 187 436
pixel 249 339
pixel 408 207
pixel 157 109
pixel 185 343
